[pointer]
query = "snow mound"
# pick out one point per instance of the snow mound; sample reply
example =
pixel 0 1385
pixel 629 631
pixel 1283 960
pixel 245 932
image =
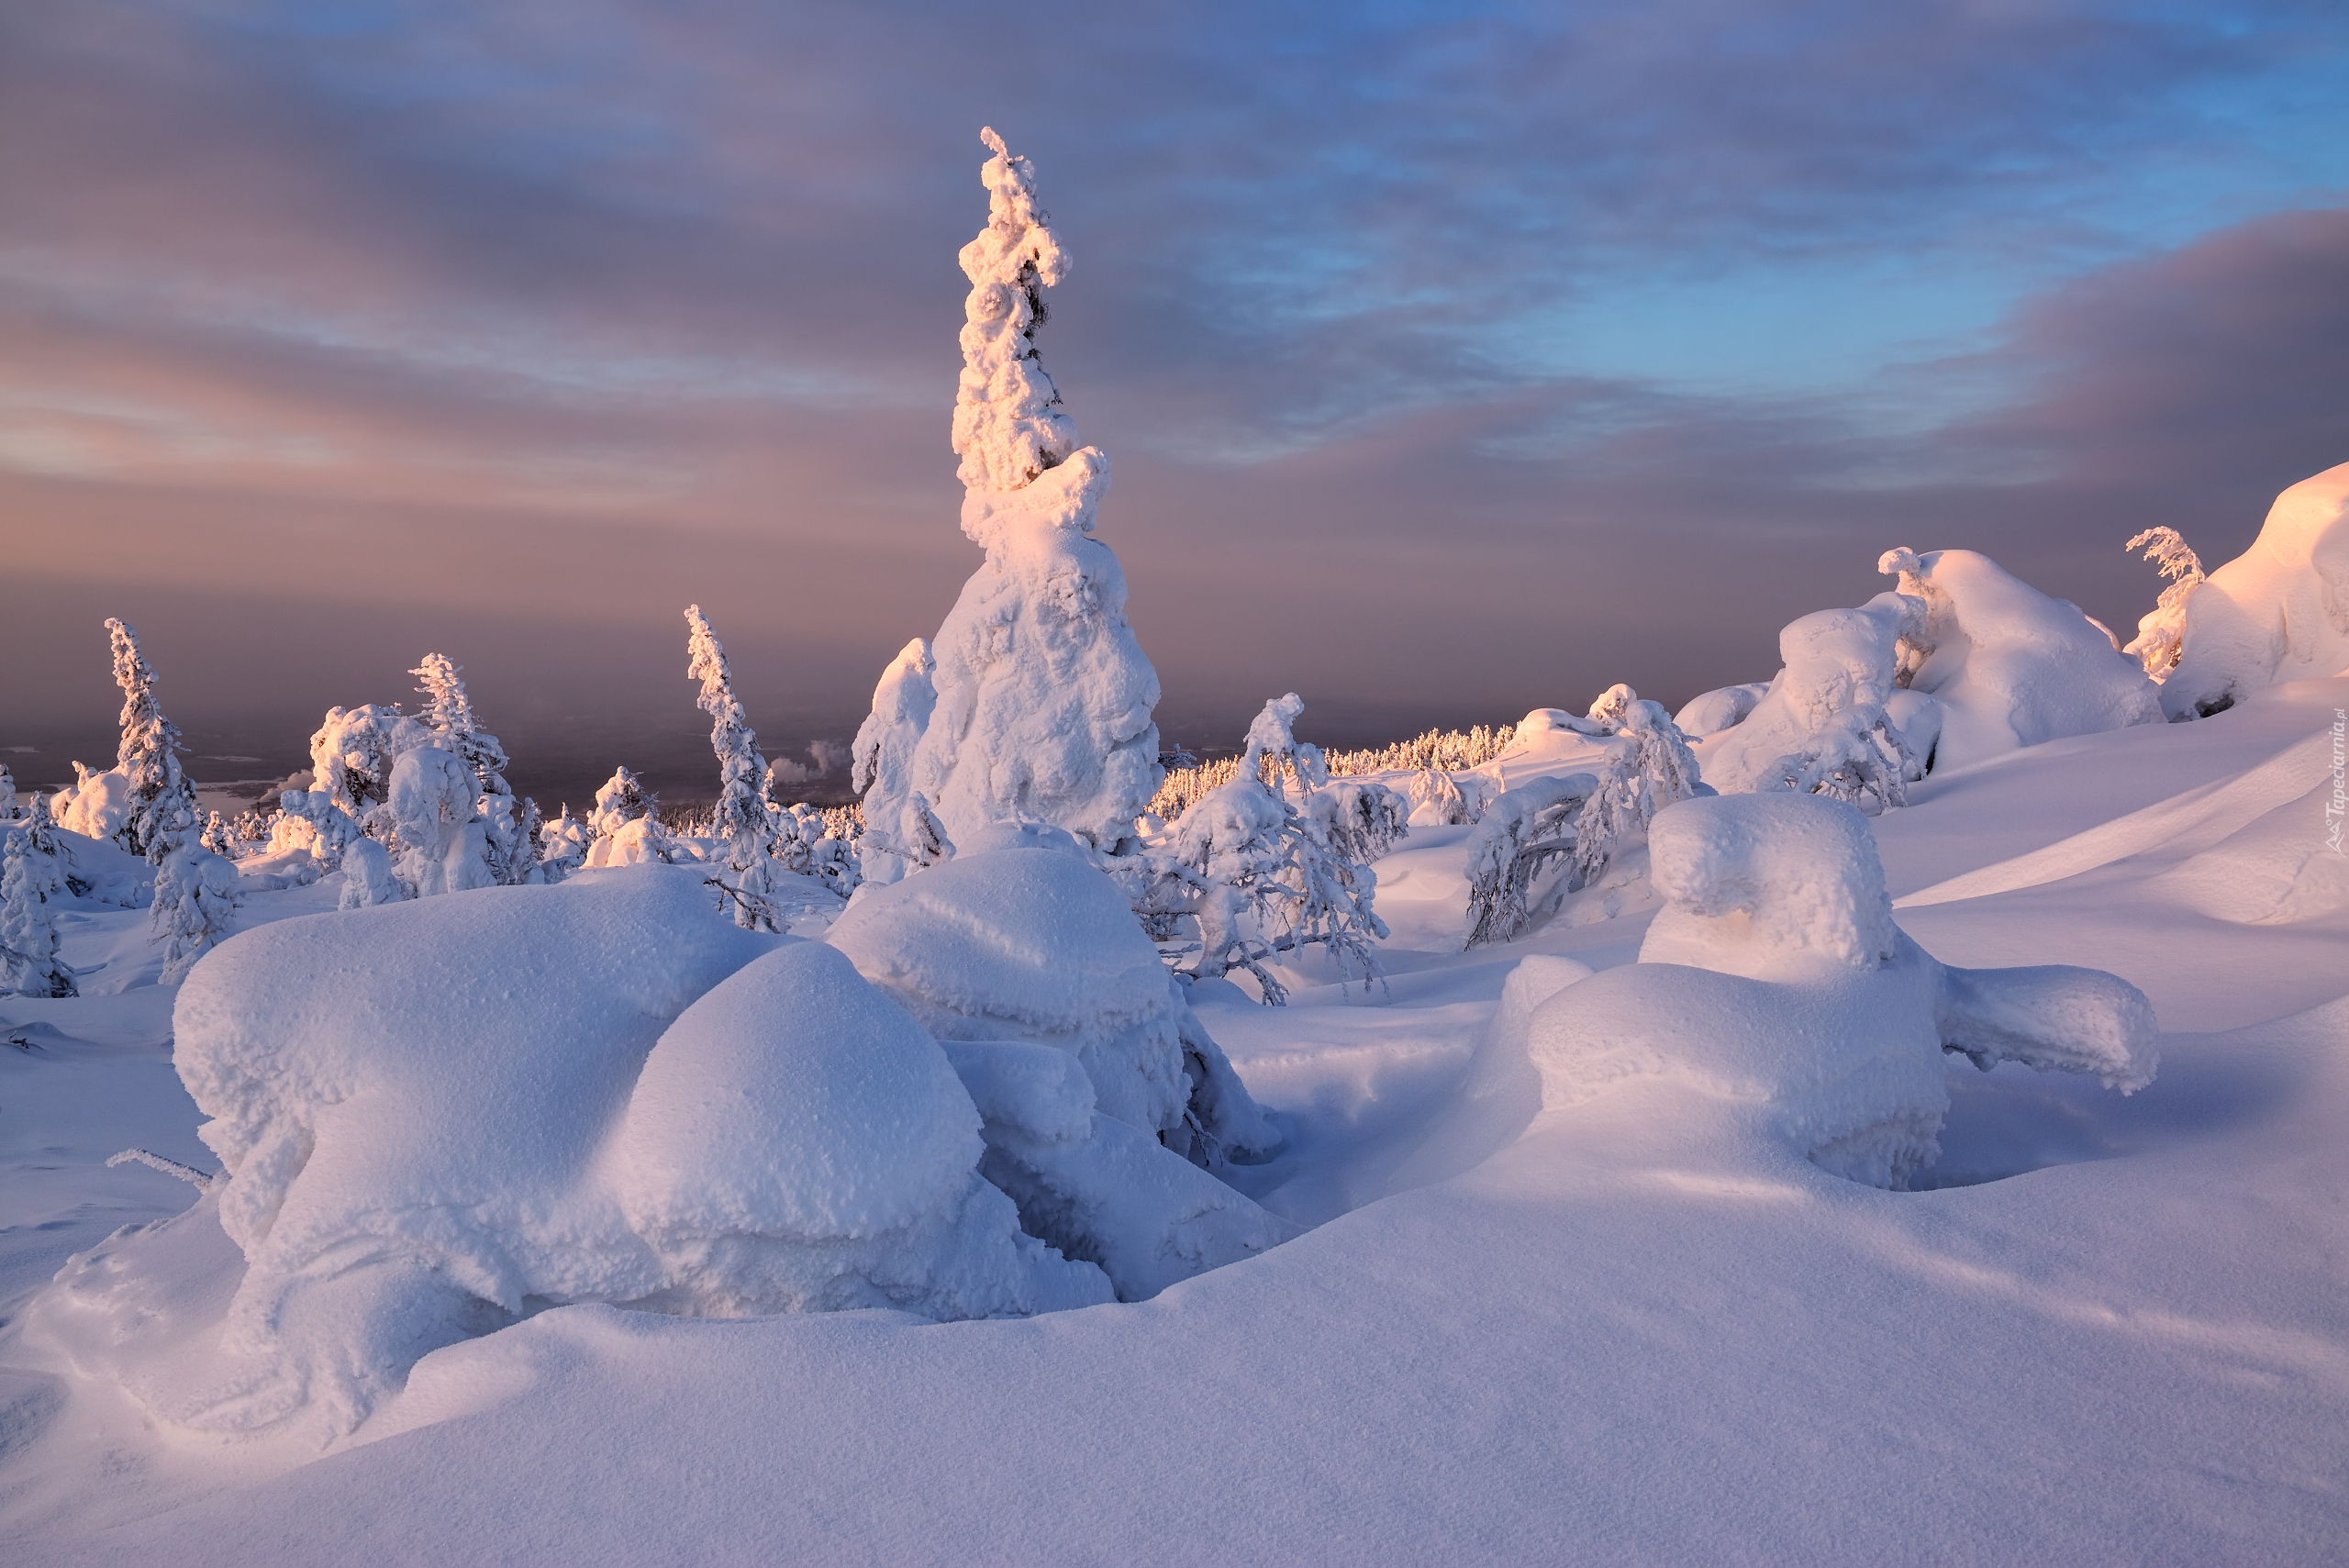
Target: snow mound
pixel 1028 944
pixel 1093 1076
pixel 2277 612
pixel 1714 711
pixel 1031 942
pixel 1774 990
pixel 95 805
pixel 796 1142
pixel 435 1115
pixel 2009 666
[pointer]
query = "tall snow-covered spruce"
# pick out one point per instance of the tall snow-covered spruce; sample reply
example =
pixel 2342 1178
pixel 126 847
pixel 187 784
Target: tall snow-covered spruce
pixel 743 827
pixel 1036 700
pixel 163 802
pixel 506 822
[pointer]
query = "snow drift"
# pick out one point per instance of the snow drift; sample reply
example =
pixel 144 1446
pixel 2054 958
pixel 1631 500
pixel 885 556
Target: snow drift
pixel 2277 612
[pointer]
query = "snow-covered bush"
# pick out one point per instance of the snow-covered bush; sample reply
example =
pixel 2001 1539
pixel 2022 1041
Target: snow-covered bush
pixel 1835 662
pixel 1584 821
pixel 809 843
pixel 367 875
pixel 196 898
pixel 30 876
pixel 2160 631
pixel 563 847
pixel 1435 799
pixel 95 805
pixel 1961 663
pixel 1257 876
pixel 1775 995
pixel 743 822
pixel 1100 1089
pixel 434 1113
pixel 1033 702
pixel 625 827
pixel 2007 665
pixel 352 756
pixel 2277 612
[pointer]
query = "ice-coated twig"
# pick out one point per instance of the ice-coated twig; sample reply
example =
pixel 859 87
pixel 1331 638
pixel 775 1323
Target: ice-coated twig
pixel 155 1161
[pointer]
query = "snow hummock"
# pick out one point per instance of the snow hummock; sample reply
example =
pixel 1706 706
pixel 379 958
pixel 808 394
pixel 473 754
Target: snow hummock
pixel 435 1116
pixel 2009 666
pixel 1095 1077
pixel 2277 612
pixel 1776 991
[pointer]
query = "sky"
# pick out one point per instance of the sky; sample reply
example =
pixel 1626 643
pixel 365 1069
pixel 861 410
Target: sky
pixel 1453 360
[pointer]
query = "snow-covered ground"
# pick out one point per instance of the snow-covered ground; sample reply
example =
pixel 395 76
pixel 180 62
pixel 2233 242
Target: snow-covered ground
pixel 2102 1329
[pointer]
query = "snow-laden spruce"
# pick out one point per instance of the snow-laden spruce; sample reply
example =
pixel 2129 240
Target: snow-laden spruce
pixel 742 823
pixel 1775 995
pixel 8 807
pixel 1033 702
pixel 436 1114
pixel 2277 612
pixel 31 875
pixel 507 823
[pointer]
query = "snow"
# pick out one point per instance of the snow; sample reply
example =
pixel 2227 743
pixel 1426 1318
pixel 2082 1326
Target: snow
pixel 1506 1319
pixel 1033 944
pixel 1962 663
pixel 2277 612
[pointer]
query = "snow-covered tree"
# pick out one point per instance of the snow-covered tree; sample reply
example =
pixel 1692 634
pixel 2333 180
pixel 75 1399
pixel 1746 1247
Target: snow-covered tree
pixel 7 795
pixel 1587 820
pixel 368 878
pixel 1522 834
pixel 217 836
pixel 352 754
pixel 625 827
pixel 30 877
pixel 808 844
pixel 508 822
pixel 1257 875
pixel 2161 633
pixel 196 897
pixel 444 843
pixel 1037 705
pixel 163 802
pixel 742 822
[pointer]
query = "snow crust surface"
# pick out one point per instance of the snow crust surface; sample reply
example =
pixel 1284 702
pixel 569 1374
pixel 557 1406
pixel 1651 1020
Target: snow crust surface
pixel 1508 1320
